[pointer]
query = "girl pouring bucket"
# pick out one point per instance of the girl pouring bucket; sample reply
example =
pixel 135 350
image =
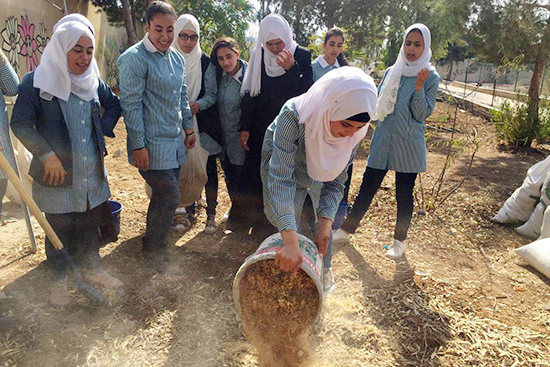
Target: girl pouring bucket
pixel 307 150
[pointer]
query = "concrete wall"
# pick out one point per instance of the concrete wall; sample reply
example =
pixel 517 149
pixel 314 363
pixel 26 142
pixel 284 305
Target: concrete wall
pixel 478 71
pixel 26 27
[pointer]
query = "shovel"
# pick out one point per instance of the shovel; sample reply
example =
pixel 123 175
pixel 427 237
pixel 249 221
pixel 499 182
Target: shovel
pixel 84 288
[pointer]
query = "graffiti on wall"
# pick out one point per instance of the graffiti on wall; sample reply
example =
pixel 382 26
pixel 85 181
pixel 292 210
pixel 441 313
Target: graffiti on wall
pixel 22 39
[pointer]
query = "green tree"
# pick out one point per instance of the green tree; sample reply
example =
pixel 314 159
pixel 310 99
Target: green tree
pixel 506 30
pixel 375 28
pixel 216 19
pixel 115 15
pixel 301 15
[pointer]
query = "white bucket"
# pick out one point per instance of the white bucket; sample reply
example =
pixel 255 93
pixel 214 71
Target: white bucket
pixel 312 265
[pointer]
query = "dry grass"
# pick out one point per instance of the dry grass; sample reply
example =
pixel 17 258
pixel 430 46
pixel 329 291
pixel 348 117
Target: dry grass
pixel 461 297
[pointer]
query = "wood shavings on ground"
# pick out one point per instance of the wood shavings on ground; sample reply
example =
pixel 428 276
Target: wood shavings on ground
pixel 472 302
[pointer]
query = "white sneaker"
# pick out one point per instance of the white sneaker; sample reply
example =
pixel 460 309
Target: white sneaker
pixel 396 250
pixel 328 282
pixel 226 216
pixel 341 236
pixel 180 211
pixel 211 225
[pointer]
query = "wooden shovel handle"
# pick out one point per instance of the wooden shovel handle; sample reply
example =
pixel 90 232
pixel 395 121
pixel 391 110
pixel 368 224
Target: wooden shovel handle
pixel 27 198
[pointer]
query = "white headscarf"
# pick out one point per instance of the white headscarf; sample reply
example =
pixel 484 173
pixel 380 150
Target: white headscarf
pixel 193 68
pixel 272 27
pixel 53 76
pixel 75 17
pixel 403 67
pixel 338 95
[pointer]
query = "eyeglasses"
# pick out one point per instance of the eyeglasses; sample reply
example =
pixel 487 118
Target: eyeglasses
pixel 185 37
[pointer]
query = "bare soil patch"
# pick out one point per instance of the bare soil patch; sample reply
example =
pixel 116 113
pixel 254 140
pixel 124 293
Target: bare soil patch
pixel 462 297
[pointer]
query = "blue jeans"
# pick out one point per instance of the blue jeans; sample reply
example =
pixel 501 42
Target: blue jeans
pixel 165 198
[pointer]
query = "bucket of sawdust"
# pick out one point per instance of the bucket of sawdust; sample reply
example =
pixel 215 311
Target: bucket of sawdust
pixel 262 289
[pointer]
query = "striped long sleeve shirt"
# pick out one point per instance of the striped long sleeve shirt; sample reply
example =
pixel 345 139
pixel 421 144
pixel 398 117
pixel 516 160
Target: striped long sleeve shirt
pixel 284 174
pixel 398 142
pixel 90 185
pixel 9 85
pixel 153 96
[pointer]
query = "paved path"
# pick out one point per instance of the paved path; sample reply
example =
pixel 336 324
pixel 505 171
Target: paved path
pixel 474 96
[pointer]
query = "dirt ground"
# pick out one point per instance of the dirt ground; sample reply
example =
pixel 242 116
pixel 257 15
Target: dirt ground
pixel 462 297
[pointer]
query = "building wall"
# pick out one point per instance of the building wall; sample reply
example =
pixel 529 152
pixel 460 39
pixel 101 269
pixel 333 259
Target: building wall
pixel 26 27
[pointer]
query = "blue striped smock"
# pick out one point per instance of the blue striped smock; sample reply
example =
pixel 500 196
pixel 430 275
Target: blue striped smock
pixel 9 85
pixel 320 67
pixel 89 183
pixel 398 142
pixel 284 174
pixel 153 96
pixel 229 105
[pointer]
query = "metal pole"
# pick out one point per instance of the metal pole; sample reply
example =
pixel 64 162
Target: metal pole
pixel 494 87
pixel 480 72
pixel 24 206
pixel 466 78
pixel 65 7
pixel 26 211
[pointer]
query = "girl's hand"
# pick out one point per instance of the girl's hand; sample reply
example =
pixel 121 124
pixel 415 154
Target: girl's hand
pixel 244 140
pixel 190 140
pixel 54 169
pixel 195 107
pixel 141 158
pixel 322 237
pixel 289 258
pixel 421 78
pixel 285 59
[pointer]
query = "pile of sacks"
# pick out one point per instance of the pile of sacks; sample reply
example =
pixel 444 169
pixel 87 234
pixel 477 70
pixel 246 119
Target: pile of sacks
pixel 531 204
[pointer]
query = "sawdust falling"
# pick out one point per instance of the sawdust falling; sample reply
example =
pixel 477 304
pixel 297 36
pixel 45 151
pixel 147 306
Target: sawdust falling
pixel 278 309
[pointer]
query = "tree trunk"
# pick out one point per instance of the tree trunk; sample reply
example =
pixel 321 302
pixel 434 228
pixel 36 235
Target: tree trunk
pixel 134 20
pixel 534 99
pixel 298 27
pixel 534 87
pixel 450 73
pixel 494 87
pixel 127 15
